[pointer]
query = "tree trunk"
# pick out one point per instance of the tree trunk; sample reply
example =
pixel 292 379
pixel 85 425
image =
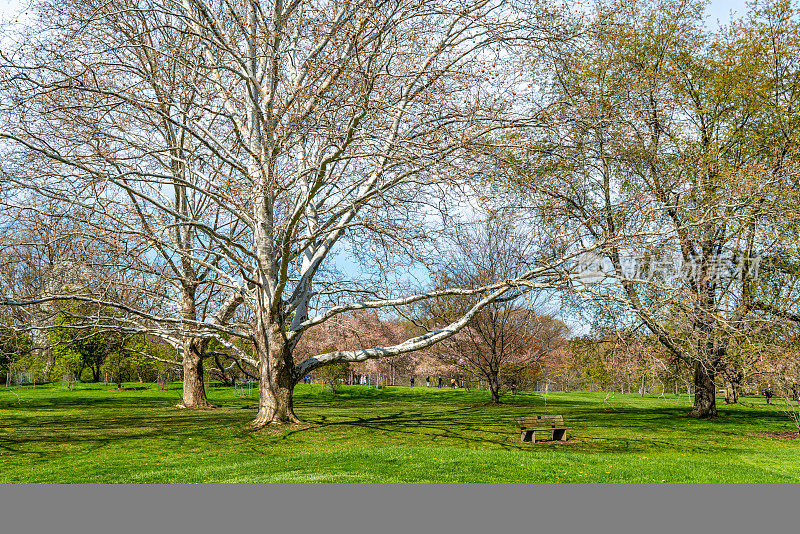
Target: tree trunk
pixel 194 392
pixel 732 389
pixel 734 385
pixel 731 393
pixel 494 388
pixel 277 379
pixel 705 401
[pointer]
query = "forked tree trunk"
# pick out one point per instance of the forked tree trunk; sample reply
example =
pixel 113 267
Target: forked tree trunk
pixel 732 393
pixel 194 392
pixel 277 378
pixel 705 401
pixel 734 386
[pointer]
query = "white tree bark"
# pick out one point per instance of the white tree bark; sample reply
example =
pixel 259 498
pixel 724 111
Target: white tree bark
pixel 291 131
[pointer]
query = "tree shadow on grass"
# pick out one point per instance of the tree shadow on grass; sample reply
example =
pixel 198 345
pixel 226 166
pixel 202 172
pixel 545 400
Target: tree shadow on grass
pixel 410 427
pixel 45 425
pixel 627 429
pixel 492 425
pixel 42 435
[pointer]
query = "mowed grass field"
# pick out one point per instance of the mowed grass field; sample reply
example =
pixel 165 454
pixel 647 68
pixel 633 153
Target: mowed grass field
pixel 95 434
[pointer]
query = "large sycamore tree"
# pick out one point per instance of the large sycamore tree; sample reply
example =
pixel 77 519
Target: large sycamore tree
pixel 103 90
pixel 238 146
pixel 676 145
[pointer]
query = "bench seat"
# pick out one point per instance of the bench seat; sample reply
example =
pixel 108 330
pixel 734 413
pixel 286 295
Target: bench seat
pixel 553 425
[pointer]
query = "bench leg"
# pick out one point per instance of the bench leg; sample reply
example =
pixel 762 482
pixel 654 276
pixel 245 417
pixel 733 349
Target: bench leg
pixel 558 434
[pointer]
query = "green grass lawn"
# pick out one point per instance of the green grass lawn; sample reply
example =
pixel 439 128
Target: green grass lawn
pixel 95 434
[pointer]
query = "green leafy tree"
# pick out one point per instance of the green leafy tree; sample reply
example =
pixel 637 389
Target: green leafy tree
pixel 78 344
pixel 14 347
pixel 675 144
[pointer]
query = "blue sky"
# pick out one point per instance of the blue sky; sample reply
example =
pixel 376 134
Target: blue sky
pixel 720 9
pixel 8 6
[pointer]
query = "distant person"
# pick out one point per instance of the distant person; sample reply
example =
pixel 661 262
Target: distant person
pixel 363 380
pixel 768 393
pixel 440 381
pixel 428 382
pixel 462 383
pixel 412 381
pixel 452 383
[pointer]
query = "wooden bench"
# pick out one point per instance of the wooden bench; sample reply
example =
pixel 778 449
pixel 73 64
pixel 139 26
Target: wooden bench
pixel 552 424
